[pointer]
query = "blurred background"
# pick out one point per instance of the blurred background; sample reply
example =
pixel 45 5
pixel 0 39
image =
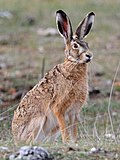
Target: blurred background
pixel 30 45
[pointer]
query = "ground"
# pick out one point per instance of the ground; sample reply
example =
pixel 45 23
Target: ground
pixel 25 55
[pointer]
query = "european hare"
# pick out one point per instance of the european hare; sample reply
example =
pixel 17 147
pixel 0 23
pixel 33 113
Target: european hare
pixel 54 103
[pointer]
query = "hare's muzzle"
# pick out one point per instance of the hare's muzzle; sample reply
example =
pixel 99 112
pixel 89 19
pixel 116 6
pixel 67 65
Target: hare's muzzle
pixel 89 56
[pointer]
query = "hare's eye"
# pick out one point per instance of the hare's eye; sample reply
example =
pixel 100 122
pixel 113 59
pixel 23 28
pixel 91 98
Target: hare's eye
pixel 75 46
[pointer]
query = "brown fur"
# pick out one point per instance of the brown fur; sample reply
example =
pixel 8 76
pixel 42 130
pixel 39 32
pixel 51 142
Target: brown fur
pixel 54 103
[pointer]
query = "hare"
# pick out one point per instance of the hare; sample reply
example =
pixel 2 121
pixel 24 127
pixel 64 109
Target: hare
pixel 54 103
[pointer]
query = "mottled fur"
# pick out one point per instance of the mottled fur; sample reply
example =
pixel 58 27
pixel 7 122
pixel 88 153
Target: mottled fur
pixel 54 103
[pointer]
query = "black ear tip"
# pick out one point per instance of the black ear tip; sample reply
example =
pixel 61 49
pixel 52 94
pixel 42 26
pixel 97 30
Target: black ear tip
pixel 60 12
pixel 92 14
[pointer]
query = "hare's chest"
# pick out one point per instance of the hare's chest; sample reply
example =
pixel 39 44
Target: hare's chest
pixel 78 90
pixel 81 90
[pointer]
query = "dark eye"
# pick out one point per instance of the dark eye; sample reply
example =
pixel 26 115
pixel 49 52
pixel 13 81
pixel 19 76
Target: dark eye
pixel 75 46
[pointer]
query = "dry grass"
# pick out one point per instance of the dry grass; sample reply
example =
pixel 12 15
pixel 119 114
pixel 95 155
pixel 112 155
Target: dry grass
pixel 23 65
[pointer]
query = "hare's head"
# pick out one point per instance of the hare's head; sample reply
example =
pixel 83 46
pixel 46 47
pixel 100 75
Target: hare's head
pixel 77 49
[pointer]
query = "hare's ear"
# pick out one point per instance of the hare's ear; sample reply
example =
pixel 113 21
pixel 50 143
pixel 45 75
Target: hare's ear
pixel 85 26
pixel 64 25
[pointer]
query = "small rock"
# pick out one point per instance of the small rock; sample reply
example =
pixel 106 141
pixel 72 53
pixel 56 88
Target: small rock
pixel 110 136
pixel 114 113
pixel 93 150
pixel 12 157
pixel 2 149
pixel 31 153
pixel 6 14
pixel 23 151
pixel 47 32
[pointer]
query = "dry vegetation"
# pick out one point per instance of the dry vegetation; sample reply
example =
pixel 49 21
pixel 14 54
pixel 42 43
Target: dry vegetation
pixel 25 56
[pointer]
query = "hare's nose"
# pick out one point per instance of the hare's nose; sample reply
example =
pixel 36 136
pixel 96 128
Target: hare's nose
pixel 88 57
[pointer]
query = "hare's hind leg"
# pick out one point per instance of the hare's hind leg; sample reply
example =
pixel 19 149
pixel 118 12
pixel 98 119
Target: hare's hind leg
pixel 40 135
pixel 31 129
pixel 51 128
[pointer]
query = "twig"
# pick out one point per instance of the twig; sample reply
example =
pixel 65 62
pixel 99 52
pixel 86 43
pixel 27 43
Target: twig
pixel 43 67
pixel 11 108
pixel 109 104
pixel 95 133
